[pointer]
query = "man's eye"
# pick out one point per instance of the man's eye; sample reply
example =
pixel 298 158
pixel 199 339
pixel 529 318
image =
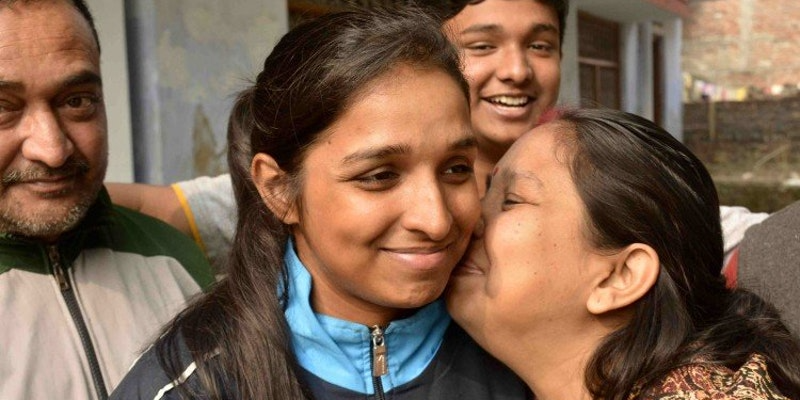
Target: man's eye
pixel 9 112
pixel 81 101
pixel 542 47
pixel 80 107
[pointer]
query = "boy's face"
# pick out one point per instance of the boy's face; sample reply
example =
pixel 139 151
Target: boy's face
pixel 511 52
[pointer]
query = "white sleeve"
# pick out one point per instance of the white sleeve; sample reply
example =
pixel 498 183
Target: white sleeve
pixel 210 206
pixel 735 222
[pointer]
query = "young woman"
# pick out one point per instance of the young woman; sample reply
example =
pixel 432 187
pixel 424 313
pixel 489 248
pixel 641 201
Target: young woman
pixel 351 159
pixel 595 272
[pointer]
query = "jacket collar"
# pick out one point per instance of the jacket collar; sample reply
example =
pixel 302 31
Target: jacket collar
pixel 32 255
pixel 339 351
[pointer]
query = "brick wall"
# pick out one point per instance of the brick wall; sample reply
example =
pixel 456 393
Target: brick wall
pixel 751 148
pixel 740 43
pixel 751 136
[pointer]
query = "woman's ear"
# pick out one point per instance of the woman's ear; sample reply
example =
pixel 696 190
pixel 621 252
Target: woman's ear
pixel 629 276
pixel 273 185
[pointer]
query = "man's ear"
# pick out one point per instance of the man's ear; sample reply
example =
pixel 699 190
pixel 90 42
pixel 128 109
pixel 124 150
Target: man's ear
pixel 273 186
pixel 629 276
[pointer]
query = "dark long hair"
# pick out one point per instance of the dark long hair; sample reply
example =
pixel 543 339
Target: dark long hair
pixel 641 185
pixel 308 80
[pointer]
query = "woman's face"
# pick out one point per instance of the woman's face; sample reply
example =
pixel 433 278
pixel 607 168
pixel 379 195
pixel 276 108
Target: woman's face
pixel 525 273
pixel 388 198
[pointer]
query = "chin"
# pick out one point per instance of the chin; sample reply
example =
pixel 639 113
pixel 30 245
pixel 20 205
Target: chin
pixel 419 297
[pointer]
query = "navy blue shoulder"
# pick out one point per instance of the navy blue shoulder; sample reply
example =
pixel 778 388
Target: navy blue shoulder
pixel 149 379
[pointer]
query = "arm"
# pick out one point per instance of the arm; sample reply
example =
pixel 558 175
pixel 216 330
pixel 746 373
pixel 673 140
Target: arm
pixel 203 208
pixel 157 201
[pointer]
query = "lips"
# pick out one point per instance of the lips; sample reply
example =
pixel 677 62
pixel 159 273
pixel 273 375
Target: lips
pixel 420 258
pixel 510 100
pixel 50 185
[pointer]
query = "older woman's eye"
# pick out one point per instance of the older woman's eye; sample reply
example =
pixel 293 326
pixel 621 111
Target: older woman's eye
pixel 509 202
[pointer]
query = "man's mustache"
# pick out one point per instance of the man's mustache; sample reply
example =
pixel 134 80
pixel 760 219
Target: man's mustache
pixel 71 168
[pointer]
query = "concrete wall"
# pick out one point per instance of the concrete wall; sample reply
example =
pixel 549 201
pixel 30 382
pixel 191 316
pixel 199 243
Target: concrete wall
pixel 109 21
pixel 187 60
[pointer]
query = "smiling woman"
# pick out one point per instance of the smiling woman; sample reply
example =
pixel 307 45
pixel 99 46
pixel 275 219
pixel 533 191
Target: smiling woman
pixel 352 162
pixel 596 272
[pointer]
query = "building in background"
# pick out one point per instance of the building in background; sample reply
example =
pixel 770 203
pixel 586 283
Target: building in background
pixel 186 59
pixel 736 50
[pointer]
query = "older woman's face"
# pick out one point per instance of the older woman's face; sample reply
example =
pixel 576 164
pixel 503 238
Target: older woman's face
pixel 389 198
pixel 524 273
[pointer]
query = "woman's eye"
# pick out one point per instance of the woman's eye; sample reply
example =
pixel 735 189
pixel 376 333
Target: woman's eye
pixel 460 169
pixel 378 180
pixel 458 173
pixel 510 202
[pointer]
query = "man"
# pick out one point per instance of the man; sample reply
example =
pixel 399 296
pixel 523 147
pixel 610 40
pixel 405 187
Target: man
pixel 84 285
pixel 768 263
pixel 512 60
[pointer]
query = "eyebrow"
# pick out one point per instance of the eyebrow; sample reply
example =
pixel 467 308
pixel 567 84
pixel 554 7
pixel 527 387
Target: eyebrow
pixel 376 153
pixel 10 85
pixel 373 153
pixel 495 28
pixel 77 79
pixel 528 176
pixel 82 78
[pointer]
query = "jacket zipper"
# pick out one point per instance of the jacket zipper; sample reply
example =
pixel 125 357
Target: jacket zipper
pixel 380 366
pixel 62 277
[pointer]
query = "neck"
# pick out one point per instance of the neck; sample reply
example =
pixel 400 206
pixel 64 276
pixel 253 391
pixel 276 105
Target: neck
pixel 553 367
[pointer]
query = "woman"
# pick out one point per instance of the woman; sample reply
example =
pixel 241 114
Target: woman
pixel 351 159
pixel 595 272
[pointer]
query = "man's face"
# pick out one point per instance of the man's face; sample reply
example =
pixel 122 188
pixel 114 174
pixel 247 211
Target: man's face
pixel 512 53
pixel 54 150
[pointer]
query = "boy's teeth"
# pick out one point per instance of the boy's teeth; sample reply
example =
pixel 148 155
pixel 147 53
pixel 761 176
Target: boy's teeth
pixel 510 101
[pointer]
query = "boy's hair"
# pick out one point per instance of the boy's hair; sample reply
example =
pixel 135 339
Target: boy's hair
pixel 446 9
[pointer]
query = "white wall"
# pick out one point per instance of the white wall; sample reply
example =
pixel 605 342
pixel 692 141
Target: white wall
pixel 188 59
pixel 673 78
pixel 109 19
pixel 570 90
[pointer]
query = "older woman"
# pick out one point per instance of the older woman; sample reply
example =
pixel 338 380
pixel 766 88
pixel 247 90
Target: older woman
pixel 595 272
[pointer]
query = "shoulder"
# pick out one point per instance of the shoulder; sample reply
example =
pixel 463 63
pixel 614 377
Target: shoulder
pixel 464 370
pixel 779 224
pixel 134 232
pixel 148 379
pixel 207 189
pixel 708 381
pixel 210 209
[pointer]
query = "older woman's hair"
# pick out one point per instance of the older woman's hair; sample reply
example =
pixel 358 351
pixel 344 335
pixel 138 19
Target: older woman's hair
pixel 641 185
pixel 308 80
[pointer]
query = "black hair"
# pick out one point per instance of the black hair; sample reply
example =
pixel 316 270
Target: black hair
pixel 310 77
pixel 446 9
pixel 639 184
